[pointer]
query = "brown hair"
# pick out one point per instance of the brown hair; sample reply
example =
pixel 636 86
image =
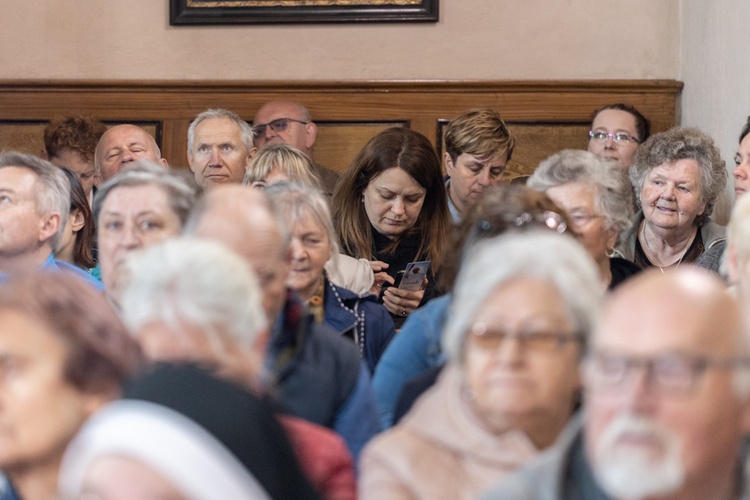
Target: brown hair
pixel 79 133
pixel 82 254
pixel 412 152
pixel 495 213
pixel 642 124
pixel 478 132
pixel 100 353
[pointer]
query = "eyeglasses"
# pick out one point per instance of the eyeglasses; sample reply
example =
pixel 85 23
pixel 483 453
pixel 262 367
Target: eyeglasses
pixel 580 218
pixel 669 373
pixel 277 125
pixel 550 220
pixel 489 338
pixel 619 138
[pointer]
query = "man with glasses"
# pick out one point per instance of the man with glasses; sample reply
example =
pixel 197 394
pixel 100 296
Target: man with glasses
pixel 667 399
pixel 616 131
pixel 290 122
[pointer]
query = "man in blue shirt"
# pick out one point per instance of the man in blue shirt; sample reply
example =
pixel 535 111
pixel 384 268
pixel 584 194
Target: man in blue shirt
pixel 34 207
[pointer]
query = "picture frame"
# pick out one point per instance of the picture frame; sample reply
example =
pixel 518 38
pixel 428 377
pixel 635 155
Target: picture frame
pixel 226 12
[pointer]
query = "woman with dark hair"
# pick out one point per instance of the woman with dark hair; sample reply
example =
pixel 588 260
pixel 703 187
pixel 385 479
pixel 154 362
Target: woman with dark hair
pixel 78 238
pixel 741 172
pixel 390 207
pixel 713 257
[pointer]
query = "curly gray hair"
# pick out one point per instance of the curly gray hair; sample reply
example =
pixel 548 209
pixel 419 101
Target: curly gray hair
pixel 681 143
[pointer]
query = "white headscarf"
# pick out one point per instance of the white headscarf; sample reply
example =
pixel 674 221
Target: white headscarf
pixel 183 452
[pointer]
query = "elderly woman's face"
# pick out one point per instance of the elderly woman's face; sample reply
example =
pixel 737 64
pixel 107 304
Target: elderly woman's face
pixel 671 196
pixel 310 250
pixel 132 217
pixel 523 370
pixel 393 201
pixel 580 203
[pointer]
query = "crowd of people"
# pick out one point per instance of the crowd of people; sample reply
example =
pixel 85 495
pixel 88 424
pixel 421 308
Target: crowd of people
pixel 259 326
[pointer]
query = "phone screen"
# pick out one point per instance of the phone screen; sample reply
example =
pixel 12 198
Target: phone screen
pixel 414 275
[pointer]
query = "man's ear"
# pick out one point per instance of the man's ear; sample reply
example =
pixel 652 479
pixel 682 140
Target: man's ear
pixel 49 225
pixel 311 135
pixel 43 154
pixel 163 162
pixel 252 153
pixel 448 163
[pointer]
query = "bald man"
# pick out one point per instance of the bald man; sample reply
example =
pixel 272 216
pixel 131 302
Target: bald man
pixel 667 393
pixel 291 123
pixel 121 145
pixel 315 374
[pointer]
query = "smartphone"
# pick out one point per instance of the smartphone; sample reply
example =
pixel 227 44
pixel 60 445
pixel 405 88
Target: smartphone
pixel 414 275
pixel 396 283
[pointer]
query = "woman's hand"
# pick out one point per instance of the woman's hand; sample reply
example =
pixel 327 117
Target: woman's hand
pixel 380 276
pixel 402 302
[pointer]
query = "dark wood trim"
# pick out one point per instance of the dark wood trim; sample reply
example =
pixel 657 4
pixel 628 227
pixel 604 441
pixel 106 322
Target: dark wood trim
pixel 422 104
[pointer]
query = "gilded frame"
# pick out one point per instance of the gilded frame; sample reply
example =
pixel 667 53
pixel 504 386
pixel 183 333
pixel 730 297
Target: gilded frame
pixel 218 12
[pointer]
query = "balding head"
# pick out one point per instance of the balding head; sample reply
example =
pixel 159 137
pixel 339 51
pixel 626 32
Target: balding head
pixel 299 131
pixel 666 392
pixel 243 219
pixel 123 144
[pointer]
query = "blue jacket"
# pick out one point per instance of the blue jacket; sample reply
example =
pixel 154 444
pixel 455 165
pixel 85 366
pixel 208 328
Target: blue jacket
pixel 362 318
pixel 414 350
pixel 57 265
pixel 7 492
pixel 316 375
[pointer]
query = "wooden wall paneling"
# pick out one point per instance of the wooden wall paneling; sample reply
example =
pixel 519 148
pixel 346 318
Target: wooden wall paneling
pixel 546 115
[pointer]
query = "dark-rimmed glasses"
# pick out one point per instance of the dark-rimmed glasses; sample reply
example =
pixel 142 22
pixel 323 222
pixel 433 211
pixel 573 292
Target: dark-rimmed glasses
pixel 277 125
pixel 619 137
pixel 669 373
pixel 489 337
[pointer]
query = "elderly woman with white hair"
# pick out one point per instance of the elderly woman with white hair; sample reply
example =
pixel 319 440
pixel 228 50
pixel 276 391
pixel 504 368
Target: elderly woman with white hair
pixel 284 163
pixel 677 176
pixel 313 242
pixel 514 337
pixel 597 197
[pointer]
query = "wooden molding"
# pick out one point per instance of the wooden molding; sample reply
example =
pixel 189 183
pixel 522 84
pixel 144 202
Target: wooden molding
pixel 548 115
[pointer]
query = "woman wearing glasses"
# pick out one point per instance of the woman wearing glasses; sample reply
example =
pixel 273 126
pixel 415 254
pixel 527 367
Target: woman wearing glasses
pixel 616 131
pixel 513 341
pixel 597 197
pixel 390 208
pixel 677 176
pixel 416 351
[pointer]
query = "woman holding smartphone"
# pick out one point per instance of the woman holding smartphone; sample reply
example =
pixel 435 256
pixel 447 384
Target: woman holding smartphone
pixel 390 207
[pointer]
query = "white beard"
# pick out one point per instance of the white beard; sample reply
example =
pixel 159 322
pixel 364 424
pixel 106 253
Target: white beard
pixel 634 473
